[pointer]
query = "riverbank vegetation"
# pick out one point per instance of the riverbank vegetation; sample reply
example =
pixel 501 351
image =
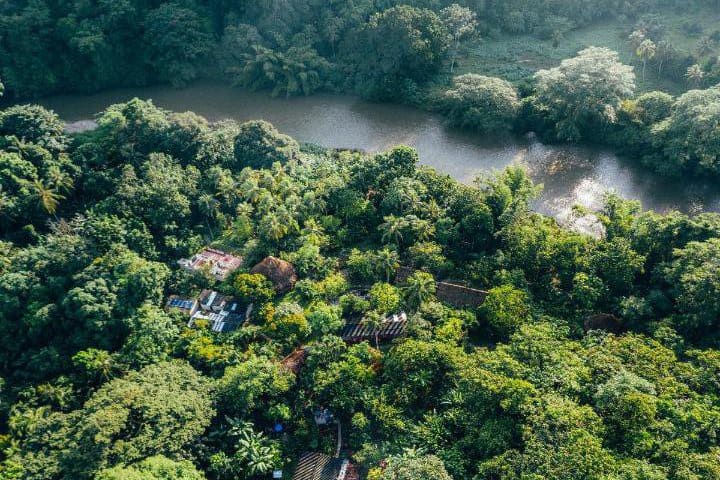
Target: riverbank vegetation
pixel 590 358
pixel 418 52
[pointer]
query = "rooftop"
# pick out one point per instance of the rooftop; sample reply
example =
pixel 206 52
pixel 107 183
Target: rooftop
pixel 318 466
pixel 223 313
pixel 187 305
pixel 391 327
pixel 294 362
pixel 279 272
pixel 220 264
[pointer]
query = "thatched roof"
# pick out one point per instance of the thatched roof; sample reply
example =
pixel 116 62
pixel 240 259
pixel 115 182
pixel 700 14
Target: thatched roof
pixel 603 321
pixel 295 361
pixel 279 272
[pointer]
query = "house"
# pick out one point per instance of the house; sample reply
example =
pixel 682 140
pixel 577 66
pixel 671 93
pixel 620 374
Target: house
pixel 295 361
pixel 223 313
pixel 186 306
pixel 281 273
pixel 460 296
pixel 318 466
pixel 391 328
pixel 218 263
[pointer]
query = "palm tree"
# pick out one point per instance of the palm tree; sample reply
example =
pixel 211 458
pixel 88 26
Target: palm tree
pixel 59 180
pixel 226 189
pixel 48 198
pixel 664 50
pixel 251 190
pixel 419 287
pixel 392 229
pixel 388 262
pixel 313 228
pixel 299 70
pixel 422 229
pixel 374 321
pixel 695 75
pixel 705 46
pixel 636 38
pixel 208 207
pixel 275 228
pixel 646 51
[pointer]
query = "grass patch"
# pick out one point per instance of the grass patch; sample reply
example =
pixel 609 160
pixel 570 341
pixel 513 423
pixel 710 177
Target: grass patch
pixel 517 57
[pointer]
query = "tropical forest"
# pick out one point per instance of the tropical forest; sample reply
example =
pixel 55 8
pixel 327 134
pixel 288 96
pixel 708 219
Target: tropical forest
pixel 360 240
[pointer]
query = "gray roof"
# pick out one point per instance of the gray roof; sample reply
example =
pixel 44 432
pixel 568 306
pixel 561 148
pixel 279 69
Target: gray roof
pixel 359 331
pixel 318 466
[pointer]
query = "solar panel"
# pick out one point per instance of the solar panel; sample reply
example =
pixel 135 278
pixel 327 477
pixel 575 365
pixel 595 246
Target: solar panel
pixel 180 303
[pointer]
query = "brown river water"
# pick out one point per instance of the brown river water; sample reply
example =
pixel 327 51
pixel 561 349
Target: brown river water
pixel 570 174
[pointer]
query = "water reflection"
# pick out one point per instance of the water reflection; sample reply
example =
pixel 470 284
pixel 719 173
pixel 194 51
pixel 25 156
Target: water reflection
pixel 571 175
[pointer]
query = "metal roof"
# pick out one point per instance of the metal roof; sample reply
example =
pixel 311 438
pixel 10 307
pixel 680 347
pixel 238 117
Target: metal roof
pixel 318 466
pixel 390 328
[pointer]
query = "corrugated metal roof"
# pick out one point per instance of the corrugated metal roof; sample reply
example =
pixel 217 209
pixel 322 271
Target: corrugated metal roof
pixel 318 466
pixel 389 329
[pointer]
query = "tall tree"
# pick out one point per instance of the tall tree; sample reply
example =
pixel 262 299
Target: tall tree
pixel 646 51
pixel 583 92
pixel 461 22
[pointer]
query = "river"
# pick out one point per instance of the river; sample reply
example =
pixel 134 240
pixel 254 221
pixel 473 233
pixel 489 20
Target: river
pixel 571 175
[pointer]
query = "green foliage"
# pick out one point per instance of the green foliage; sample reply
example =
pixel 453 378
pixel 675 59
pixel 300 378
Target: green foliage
pixel 370 266
pixel 384 298
pixel 485 104
pixel 505 309
pixel 583 92
pixel 252 287
pixel 160 409
pixel 251 387
pixel 419 287
pixel 409 467
pixel 153 468
pixel 34 124
pixel 688 137
pixel 254 454
pixel 95 379
pixel 177 41
pixel 396 48
pixel 694 280
pixel 259 145
pixel 300 70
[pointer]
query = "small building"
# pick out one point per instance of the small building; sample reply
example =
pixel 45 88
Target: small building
pixel 318 466
pixel 186 306
pixel 218 263
pixel 295 361
pixel 392 327
pixel 281 273
pixel 460 296
pixel 223 313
